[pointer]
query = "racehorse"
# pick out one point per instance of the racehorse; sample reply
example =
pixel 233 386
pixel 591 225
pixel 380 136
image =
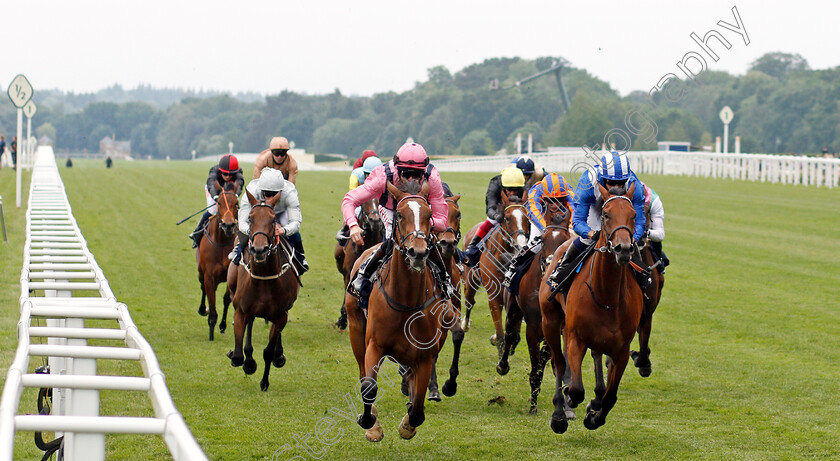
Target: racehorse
pixel 652 295
pixel 526 303
pixel 405 313
pixel 211 256
pixel 448 246
pixel 501 245
pixel 373 230
pixel 264 285
pixel 601 311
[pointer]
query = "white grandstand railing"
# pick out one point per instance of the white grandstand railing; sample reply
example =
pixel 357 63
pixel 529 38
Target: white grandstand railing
pixel 56 260
pixel 782 169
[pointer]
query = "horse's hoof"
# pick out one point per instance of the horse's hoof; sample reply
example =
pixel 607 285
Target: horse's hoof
pixel 634 355
pixel 211 333
pixel 502 369
pixel 279 361
pixel 222 327
pixel 375 433
pixel 559 426
pixel 341 324
pixel 493 339
pixel 570 414
pixel 249 367
pixel 368 422
pixel 202 311
pixel 450 387
pixel 593 406
pixel 533 410
pixel 264 385
pixel 590 423
pixel 404 387
pixel 645 372
pixel 466 324
pixel 234 360
pixel 406 431
pixel 434 396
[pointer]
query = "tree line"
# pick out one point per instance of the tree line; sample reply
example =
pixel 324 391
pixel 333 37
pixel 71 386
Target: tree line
pixel 781 106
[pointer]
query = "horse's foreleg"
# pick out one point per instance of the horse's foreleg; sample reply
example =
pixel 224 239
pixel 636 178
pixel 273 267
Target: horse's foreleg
pixel 450 387
pixel 514 319
pixel 202 308
pixel 212 316
pixel 600 388
pixel 279 356
pixel 552 325
pixel 417 411
pixel 597 419
pixel 471 283
pixel 575 350
pixel 250 365
pixel 357 327
pixel 369 389
pixel 434 394
pixel 533 335
pixel 642 358
pixel 498 338
pixel 268 354
pixel 226 301
pixel 239 323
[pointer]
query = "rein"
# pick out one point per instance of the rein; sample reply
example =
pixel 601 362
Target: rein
pixel 608 248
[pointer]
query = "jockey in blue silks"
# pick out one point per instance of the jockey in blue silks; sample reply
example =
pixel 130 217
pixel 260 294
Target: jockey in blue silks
pixel 613 173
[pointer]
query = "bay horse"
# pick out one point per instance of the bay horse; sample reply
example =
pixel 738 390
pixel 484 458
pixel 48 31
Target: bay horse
pixel 501 245
pixel 212 254
pixel 641 359
pixel 601 311
pixel 264 285
pixel 447 242
pixel 401 321
pixel 373 231
pixel 526 304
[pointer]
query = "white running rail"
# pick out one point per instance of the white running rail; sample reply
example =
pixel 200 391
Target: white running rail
pixel 58 265
pixel 781 169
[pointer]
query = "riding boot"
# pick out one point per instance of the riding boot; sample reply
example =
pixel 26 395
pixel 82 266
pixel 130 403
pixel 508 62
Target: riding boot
pixel 362 285
pixel 643 275
pixel 300 257
pixel 342 236
pixel 446 289
pixel 657 248
pixel 235 255
pixel 561 277
pixel 525 255
pixel 472 254
pixel 199 229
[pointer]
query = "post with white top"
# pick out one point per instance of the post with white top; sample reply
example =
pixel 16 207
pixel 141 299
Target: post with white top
pixel 726 116
pixel 29 110
pixel 20 92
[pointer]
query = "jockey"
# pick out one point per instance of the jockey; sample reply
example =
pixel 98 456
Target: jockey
pixel 410 163
pixel 553 186
pixel 277 157
pixel 533 172
pixel 656 229
pixel 357 178
pixel 613 172
pixel 227 171
pixel 511 182
pixel 287 216
pixel 361 160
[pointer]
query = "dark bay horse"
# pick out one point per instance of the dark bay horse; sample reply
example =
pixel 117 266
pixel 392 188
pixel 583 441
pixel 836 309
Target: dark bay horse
pixel 504 242
pixel 526 304
pixel 405 313
pixel 212 254
pixel 601 311
pixel 373 231
pixel 652 295
pixel 264 285
pixel 448 246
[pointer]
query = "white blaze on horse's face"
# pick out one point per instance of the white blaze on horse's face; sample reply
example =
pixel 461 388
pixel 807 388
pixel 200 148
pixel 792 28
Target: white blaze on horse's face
pixel 519 217
pixel 415 208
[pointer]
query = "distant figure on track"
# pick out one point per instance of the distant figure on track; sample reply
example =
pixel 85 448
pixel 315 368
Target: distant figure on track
pixel 277 157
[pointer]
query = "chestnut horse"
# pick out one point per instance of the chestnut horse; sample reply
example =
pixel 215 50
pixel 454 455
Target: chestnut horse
pixel 527 303
pixel 373 231
pixel 601 311
pixel 448 246
pixel 501 245
pixel 264 285
pixel 404 313
pixel 212 253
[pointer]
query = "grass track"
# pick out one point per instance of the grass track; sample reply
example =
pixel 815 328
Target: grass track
pixel 746 341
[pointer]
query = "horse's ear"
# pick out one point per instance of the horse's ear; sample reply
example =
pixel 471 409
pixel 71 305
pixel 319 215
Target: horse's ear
pixel 605 194
pixel 455 198
pixel 398 194
pixel 219 186
pixel 253 201
pixel 630 191
pixel 424 190
pixel 271 201
pixel 505 199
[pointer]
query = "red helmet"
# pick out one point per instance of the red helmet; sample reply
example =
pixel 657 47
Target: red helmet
pixel 411 155
pixel 228 164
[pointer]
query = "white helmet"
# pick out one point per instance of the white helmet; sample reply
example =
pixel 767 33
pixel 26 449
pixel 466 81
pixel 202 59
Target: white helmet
pixel 271 180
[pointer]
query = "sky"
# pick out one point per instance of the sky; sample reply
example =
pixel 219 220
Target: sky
pixel 363 47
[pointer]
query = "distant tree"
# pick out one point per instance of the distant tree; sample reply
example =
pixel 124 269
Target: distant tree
pixel 46 129
pixel 440 76
pixel 779 64
pixel 476 142
pixel 585 124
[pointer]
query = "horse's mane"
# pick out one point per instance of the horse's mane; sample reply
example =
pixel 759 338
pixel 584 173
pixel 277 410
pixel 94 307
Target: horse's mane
pixel 614 190
pixel 230 187
pixel 410 187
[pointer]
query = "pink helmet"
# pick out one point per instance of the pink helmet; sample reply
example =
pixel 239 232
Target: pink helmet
pixel 411 155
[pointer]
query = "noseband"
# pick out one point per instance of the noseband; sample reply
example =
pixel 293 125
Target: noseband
pixel 610 248
pixel 415 234
pixel 518 231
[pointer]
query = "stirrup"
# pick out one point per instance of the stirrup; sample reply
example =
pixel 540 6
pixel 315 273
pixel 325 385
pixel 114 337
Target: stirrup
pixel 508 278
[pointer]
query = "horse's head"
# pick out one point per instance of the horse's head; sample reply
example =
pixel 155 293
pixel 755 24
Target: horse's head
pixel 227 204
pixel 261 240
pixel 515 221
pixel 412 227
pixel 618 220
pixel 448 239
pixel 557 217
pixel 371 222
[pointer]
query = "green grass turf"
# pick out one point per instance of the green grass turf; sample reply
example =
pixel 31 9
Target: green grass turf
pixel 746 340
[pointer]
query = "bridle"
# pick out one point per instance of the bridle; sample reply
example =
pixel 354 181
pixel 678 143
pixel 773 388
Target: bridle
pixel 366 219
pixel 415 234
pixel 518 231
pixel 229 208
pixel 272 247
pixel 609 247
pixel 455 232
